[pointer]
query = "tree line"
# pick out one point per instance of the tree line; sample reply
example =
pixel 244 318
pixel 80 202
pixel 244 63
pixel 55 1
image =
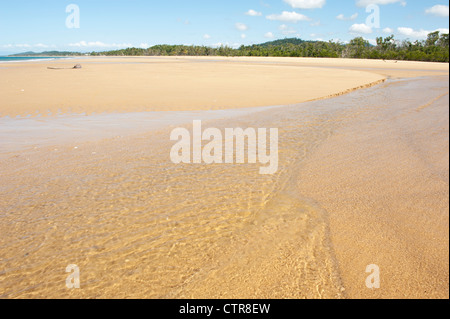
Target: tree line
pixel 434 49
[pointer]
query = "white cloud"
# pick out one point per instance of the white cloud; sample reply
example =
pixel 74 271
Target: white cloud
pixel 28 46
pixel 438 10
pixel 418 34
pixel 98 44
pixel 269 35
pixel 243 36
pixel 41 45
pixel 286 16
pixel 186 22
pixel 9 46
pixel 343 18
pixel 253 13
pixel 388 30
pixel 372 41
pixel 226 44
pixel 306 4
pixel 206 37
pixel 287 30
pixel 241 26
pixel 443 30
pixel 410 32
pixel 361 29
pixel 144 45
pixel 365 3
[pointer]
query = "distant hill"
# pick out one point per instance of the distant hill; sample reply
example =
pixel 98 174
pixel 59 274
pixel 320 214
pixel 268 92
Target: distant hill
pixel 46 54
pixel 294 41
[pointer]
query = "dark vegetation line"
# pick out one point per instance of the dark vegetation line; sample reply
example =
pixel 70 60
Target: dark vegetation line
pixel 434 49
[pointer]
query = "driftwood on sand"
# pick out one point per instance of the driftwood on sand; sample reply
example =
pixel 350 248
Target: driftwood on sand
pixel 77 66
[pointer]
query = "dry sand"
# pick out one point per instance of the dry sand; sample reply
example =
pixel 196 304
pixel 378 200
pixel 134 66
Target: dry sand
pixel 164 84
pixel 363 179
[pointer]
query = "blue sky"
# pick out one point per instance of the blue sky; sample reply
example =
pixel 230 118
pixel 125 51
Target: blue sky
pixel 30 25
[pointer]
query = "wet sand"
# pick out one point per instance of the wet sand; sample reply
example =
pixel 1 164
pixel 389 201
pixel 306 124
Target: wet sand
pixel 363 179
pixel 383 178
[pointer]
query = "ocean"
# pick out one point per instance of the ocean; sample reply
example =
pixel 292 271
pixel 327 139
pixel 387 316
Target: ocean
pixel 22 59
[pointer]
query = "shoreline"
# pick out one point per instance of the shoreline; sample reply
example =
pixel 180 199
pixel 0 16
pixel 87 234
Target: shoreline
pixel 79 128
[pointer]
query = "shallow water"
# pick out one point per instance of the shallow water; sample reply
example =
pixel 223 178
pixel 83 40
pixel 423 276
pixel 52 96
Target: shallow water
pixel 139 226
pixel 28 59
pixel 21 133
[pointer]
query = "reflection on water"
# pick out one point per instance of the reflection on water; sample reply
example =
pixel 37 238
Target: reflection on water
pixel 139 226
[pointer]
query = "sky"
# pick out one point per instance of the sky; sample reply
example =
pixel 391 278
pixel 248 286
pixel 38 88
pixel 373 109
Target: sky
pixel 99 25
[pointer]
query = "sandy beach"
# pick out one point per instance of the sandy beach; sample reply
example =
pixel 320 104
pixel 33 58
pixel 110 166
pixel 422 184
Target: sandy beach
pixel 174 84
pixel 86 179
